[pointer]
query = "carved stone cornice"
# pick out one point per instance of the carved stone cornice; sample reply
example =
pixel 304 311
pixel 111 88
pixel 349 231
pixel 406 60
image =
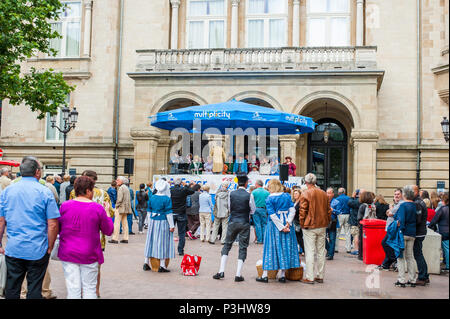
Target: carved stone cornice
pixel 235 2
pixel 443 94
pixel 145 133
pixel 364 136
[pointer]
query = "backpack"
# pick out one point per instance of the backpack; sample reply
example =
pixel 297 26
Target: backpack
pixel 370 212
pixel 188 201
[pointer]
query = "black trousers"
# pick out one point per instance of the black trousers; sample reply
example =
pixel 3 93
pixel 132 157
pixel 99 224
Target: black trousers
pixel 16 271
pixel 360 243
pixel 233 231
pixel 299 236
pixel 389 252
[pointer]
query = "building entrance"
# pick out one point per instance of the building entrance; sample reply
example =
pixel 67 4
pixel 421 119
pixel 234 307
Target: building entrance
pixel 327 154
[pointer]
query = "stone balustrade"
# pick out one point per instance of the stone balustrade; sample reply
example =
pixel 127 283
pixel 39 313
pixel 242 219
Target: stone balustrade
pixel 254 59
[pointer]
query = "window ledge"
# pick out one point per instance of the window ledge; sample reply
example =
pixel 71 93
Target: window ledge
pixel 59 59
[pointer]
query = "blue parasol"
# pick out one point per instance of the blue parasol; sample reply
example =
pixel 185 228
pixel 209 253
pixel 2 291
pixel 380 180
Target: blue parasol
pixel 233 114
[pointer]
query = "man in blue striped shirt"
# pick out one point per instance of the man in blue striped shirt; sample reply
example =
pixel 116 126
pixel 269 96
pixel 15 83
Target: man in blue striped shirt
pixel 30 214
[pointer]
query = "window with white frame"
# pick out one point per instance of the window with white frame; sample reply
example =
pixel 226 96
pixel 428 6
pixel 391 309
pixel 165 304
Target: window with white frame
pixel 206 24
pixel 328 22
pixel 69 27
pixel 266 23
pixel 52 134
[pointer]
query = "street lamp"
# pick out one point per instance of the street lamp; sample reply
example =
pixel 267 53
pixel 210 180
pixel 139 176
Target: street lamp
pixel 70 118
pixel 444 125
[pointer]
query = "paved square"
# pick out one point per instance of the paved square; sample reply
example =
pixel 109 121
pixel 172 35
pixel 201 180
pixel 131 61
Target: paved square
pixel 345 277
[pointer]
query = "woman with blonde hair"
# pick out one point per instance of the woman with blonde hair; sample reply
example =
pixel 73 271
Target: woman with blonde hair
pixel 434 198
pixel 280 244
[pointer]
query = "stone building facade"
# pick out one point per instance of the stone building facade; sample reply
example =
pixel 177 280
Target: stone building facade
pixel 377 71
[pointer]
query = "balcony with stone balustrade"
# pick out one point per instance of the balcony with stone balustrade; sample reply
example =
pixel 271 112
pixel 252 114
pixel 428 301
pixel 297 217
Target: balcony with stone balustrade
pixel 307 59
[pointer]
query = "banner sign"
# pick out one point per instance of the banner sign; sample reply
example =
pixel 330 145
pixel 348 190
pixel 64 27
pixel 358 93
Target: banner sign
pixel 214 181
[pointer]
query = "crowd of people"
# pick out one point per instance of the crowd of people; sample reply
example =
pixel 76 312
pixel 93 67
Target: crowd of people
pixel 232 165
pixel 71 216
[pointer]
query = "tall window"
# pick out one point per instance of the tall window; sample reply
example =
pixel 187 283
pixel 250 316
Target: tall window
pixel 328 23
pixel 68 26
pixel 206 24
pixel 53 134
pixel 266 23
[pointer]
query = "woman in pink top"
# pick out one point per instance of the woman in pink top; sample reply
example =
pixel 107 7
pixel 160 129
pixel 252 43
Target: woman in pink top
pixel 79 240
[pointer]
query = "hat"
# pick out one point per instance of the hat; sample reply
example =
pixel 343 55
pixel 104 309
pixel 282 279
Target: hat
pixel 288 157
pixel 162 187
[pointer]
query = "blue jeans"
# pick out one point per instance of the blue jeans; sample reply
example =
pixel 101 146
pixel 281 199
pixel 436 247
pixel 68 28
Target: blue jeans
pixel 420 260
pixel 330 244
pixel 181 222
pixel 260 222
pixel 445 251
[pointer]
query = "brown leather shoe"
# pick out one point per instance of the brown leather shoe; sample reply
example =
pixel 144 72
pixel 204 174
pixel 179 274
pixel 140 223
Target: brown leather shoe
pixel 421 282
pixel 318 280
pixel 306 281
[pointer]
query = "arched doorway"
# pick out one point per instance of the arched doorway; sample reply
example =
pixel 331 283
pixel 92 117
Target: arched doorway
pixel 327 154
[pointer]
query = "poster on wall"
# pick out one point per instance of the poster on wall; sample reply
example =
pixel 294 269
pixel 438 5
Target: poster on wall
pixel 214 181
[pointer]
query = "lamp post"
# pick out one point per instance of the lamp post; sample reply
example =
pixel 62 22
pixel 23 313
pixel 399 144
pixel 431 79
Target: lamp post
pixel 70 118
pixel 444 125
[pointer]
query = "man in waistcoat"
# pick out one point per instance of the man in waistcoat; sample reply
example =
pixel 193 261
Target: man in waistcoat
pixel 241 204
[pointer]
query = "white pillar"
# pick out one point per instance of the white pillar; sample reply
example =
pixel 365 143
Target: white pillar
pixel 87 28
pixel 359 22
pixel 174 27
pixel 296 24
pixel 234 23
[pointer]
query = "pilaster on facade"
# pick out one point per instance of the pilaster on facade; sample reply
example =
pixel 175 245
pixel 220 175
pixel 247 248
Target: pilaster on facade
pixel 234 23
pixel 364 145
pixel 359 22
pixel 288 146
pixel 174 26
pixel 296 24
pixel 87 28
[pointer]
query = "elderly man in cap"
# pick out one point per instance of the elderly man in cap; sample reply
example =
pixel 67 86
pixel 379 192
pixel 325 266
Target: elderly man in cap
pixel 241 204
pixel 178 195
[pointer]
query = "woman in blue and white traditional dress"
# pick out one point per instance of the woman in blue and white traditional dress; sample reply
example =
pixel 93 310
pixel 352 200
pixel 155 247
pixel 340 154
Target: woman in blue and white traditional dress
pixel 159 242
pixel 280 243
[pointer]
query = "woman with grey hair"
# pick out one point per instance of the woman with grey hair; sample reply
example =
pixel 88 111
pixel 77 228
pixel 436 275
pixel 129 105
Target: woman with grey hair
pixel 406 221
pixel 221 213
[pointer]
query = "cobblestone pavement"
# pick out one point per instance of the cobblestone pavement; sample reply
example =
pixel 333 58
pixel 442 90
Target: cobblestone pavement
pixel 345 277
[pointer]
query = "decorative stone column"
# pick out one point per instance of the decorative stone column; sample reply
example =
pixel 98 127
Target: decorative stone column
pixel 234 23
pixel 359 22
pixel 364 145
pixel 145 141
pixel 87 28
pixel 296 24
pixel 174 27
pixel 288 145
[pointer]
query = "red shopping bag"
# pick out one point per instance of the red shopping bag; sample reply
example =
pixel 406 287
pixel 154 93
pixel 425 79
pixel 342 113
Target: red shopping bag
pixel 190 265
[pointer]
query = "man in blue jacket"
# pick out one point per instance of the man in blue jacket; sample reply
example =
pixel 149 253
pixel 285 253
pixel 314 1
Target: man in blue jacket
pixel 343 218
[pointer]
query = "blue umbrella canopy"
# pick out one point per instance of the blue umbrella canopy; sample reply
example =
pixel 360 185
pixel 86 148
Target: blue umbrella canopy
pixel 233 114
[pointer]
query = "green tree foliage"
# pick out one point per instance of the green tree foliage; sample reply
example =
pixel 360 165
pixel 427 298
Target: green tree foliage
pixel 24 31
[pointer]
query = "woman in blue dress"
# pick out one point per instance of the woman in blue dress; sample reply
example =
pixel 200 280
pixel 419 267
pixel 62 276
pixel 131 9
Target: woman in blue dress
pixel 280 243
pixel 159 242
